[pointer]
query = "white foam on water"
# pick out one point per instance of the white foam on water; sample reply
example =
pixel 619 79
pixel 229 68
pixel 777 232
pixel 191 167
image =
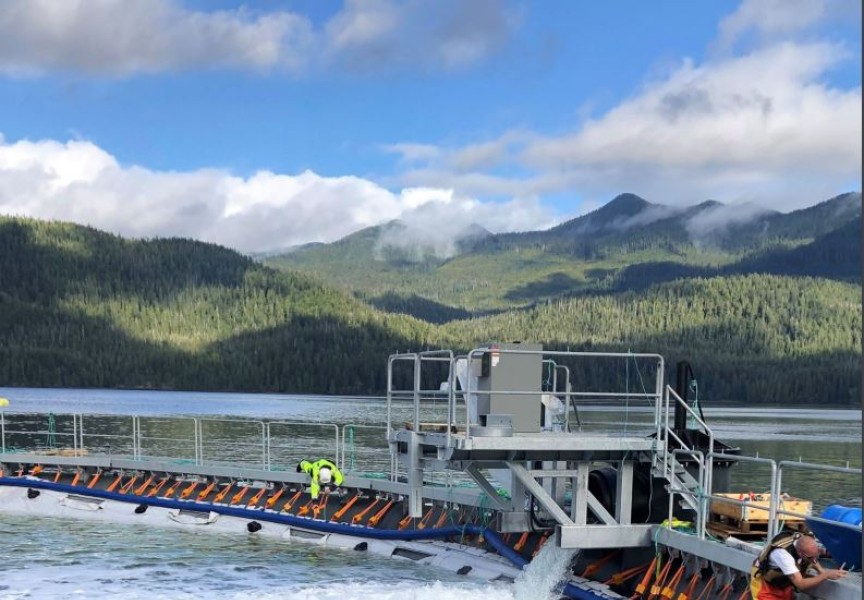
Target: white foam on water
pixel 67 589
pixel 542 575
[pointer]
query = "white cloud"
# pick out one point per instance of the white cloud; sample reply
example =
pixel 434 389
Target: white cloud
pixel 124 37
pixel 78 181
pixel 368 35
pixel 773 20
pixel 766 126
pixel 130 36
pixel 410 152
pixel 439 223
pixel 762 127
pixel 714 220
pixel 769 18
pixel 764 111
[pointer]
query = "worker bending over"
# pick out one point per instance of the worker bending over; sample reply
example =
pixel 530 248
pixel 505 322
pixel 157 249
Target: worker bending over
pixel 322 472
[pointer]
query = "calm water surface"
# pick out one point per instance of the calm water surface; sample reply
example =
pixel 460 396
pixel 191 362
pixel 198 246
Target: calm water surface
pixel 49 558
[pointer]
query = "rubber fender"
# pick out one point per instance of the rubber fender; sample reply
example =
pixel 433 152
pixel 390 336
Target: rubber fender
pixel 494 540
pixel 31 493
pixel 140 509
pixel 253 526
pixel 319 526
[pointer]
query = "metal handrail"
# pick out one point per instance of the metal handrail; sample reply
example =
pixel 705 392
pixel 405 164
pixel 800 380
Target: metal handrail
pixel 806 466
pixel 772 502
pixel 709 467
pixel 700 505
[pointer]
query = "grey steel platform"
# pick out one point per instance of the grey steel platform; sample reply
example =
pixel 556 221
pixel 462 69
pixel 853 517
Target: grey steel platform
pixel 530 446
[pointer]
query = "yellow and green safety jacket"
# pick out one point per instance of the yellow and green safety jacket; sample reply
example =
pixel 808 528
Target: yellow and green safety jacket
pixel 314 468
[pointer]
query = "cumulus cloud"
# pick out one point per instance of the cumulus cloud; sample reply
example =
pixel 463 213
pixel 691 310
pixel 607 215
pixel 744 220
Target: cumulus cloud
pixel 131 36
pixel 763 127
pixel 367 34
pixel 766 110
pixel 124 37
pixel 771 20
pixel 759 122
pixel 78 181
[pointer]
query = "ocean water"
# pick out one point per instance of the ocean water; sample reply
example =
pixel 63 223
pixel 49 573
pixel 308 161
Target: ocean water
pixel 44 558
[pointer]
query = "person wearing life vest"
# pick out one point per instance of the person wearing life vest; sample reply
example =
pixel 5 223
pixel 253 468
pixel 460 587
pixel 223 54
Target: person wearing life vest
pixel 322 471
pixel 786 564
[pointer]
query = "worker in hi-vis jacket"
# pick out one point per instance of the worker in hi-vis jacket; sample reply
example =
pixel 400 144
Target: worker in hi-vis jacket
pixel 322 471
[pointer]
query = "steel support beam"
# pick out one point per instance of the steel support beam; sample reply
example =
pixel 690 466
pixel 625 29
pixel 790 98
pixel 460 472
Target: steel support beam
pixel 536 490
pixel 491 492
pixel 624 497
pixel 604 536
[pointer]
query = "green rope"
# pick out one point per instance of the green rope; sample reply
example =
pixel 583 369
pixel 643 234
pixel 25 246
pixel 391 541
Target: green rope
pixel 691 418
pixel 51 440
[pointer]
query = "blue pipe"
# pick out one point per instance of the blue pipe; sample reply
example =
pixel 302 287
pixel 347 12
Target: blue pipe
pixel 321 526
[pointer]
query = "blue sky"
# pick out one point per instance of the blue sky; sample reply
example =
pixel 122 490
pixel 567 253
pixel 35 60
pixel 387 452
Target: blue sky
pixel 260 125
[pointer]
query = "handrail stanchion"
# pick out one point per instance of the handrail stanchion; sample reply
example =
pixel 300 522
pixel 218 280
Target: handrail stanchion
pixel 81 432
pixel 199 444
pixel 264 464
pixel 336 442
pixel 451 397
pixel 341 465
pixel 136 437
pixel 417 393
pixel 390 362
pixel 75 434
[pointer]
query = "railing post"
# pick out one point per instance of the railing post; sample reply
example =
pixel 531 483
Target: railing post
pixel 336 442
pixel 389 395
pixel 75 434
pixel 342 445
pixel 451 395
pixel 199 445
pixel 263 447
pixel 417 393
pixel 267 446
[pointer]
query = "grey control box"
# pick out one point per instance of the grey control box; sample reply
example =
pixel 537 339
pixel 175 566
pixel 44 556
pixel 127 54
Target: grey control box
pixel 510 384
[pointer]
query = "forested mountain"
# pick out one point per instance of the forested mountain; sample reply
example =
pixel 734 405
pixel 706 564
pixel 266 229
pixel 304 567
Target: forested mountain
pixel 82 308
pixel 627 244
pixel 79 307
